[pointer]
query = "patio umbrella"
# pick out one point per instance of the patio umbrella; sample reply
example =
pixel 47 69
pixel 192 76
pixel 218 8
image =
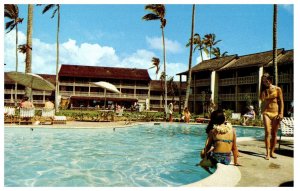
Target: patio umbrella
pixel 106 86
pixel 31 80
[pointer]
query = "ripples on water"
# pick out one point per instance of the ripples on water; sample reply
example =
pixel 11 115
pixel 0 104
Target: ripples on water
pixel 148 155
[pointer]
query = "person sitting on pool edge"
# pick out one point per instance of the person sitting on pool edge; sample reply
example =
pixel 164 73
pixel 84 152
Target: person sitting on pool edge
pixel 221 142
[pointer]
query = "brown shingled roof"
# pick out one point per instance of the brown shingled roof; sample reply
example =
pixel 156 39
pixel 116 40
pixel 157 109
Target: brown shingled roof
pixel 287 57
pixel 104 72
pixel 212 64
pixel 250 60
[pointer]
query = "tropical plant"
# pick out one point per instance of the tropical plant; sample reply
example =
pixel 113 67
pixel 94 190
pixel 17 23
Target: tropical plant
pixel 28 59
pixel 199 45
pixel 56 8
pixel 217 53
pixel 11 11
pixel 188 84
pixel 209 42
pixel 275 11
pixel 155 62
pixel 158 12
pixel 172 87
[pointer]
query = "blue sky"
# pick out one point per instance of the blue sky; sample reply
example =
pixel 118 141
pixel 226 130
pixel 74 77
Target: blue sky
pixel 116 36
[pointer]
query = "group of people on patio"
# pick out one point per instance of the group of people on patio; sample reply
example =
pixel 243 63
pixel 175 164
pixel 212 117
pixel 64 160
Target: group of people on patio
pixel 221 136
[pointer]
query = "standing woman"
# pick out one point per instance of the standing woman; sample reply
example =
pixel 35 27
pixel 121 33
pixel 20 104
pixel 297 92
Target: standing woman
pixel 272 112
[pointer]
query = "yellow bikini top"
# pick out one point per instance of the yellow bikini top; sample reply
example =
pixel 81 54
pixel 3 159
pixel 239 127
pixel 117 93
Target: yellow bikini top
pixel 271 93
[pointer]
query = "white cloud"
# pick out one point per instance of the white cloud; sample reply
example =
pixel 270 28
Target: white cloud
pixel 44 57
pixel 288 7
pixel 171 46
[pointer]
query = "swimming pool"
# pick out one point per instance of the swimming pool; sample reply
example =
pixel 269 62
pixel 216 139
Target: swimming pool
pixel 144 155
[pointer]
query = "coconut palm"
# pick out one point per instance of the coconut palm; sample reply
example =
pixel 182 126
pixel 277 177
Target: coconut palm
pixel 172 87
pixel 11 11
pixel 275 43
pixel 28 45
pixel 210 42
pixel 56 8
pixel 155 62
pixel 188 84
pixel 217 53
pixel 158 12
pixel 199 45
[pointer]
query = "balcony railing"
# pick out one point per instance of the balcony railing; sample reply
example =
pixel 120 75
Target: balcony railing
pixel 247 96
pixel 22 92
pixel 227 97
pixel 227 82
pixel 202 82
pixel 285 78
pixel 248 80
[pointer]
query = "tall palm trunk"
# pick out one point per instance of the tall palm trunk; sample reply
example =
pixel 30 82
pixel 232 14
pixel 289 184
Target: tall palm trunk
pixel 165 71
pixel 29 46
pixel 57 60
pixel 17 65
pixel 275 44
pixel 188 85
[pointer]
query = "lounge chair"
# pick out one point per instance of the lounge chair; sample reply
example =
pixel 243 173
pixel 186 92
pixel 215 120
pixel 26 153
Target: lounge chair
pixel 286 128
pixel 26 114
pixel 9 114
pixel 59 120
pixel 120 113
pixel 48 115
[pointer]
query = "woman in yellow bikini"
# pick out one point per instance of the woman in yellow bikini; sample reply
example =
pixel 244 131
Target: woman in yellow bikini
pixel 272 113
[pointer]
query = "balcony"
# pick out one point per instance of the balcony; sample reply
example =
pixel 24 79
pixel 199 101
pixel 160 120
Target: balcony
pixel 227 97
pixel 202 82
pixel 247 96
pixel 285 78
pixel 227 82
pixel 248 80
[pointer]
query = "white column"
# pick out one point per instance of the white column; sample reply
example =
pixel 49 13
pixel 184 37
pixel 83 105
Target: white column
pixel 260 74
pixel 212 85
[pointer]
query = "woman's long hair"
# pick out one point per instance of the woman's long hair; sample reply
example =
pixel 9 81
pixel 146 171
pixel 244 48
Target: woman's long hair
pixel 217 117
pixel 263 86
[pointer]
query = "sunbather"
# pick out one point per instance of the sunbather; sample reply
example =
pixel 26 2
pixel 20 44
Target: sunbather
pixel 272 113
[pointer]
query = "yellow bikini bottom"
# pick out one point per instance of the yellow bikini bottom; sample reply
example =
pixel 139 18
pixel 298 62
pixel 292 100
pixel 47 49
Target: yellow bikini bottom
pixel 271 115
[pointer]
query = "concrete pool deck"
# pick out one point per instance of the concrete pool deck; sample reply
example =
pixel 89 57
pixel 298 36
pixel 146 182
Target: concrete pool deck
pixel 254 172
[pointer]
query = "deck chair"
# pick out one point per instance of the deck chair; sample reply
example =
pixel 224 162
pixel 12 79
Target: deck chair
pixel 236 116
pixel 59 120
pixel 286 128
pixel 26 114
pixel 9 114
pixel 48 115
pixel 120 113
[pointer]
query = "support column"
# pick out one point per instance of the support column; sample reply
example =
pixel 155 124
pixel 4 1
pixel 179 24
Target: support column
pixel 260 74
pixel 180 86
pixel 214 87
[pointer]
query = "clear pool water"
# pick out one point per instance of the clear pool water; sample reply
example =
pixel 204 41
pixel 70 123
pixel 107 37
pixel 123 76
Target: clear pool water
pixel 148 155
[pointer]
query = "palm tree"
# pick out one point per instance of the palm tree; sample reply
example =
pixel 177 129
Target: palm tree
pixel 188 84
pixel 275 43
pixel 28 48
pixel 155 62
pixel 210 42
pixel 11 11
pixel 172 87
pixel 56 8
pixel 199 44
pixel 217 53
pixel 158 12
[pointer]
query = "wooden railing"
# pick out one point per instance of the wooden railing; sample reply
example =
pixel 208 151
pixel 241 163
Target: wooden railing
pixel 202 82
pixel 227 81
pixel 248 80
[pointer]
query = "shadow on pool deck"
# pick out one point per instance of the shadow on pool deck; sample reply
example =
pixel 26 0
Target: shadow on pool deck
pixel 258 172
